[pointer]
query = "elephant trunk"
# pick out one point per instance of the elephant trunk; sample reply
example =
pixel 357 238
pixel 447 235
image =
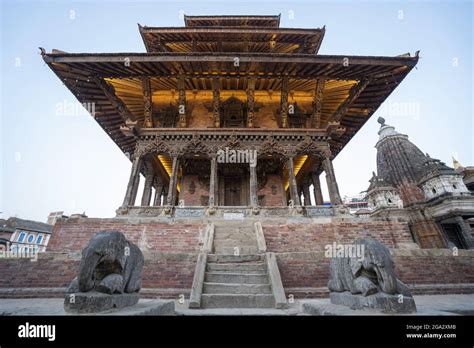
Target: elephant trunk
pixel 86 277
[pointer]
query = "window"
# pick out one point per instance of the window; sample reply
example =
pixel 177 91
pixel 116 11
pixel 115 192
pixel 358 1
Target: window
pixel 31 238
pixel 455 187
pixel 434 191
pixel 390 201
pixel 39 239
pixel 21 237
pixel 14 248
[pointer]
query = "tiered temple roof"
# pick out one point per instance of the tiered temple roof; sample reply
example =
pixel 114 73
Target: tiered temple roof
pixel 207 47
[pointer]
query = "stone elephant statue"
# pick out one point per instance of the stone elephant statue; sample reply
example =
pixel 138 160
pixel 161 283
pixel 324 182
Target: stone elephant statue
pixel 372 273
pixel 110 264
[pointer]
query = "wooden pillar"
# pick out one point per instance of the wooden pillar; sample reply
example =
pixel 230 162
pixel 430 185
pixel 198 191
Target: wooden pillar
pixel 213 182
pixel 250 101
pixel 333 189
pixel 215 102
pixel 293 186
pixel 253 185
pixel 132 187
pixel 306 194
pixel 317 103
pixel 181 101
pixel 318 195
pixel 146 197
pixel 284 101
pixel 147 102
pixel 466 233
pixel 158 193
pixel 165 194
pixel 170 200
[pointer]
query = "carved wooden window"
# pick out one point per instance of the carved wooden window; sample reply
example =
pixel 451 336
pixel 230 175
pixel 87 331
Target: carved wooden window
pixel 168 117
pixel 233 113
pixel 297 119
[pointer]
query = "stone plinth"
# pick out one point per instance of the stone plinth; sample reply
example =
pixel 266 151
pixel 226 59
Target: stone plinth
pixel 94 302
pixel 378 301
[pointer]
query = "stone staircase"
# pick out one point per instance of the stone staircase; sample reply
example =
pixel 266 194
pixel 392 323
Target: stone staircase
pixel 236 273
pixel 237 282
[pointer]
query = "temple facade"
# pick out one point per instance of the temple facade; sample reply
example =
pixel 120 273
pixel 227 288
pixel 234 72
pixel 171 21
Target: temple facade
pixel 229 123
pixel 234 85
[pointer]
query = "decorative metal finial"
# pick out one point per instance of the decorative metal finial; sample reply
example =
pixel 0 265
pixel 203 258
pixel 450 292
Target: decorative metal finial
pixel 381 120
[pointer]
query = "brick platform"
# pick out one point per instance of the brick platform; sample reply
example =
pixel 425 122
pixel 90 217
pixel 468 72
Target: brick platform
pixel 171 248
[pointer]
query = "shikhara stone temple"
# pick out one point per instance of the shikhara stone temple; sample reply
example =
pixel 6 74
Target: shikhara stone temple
pixel 239 233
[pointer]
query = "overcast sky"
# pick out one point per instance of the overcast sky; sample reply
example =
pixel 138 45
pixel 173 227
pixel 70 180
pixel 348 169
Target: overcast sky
pixel 52 161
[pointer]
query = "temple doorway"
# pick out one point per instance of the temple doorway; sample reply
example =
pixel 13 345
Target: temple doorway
pixel 234 186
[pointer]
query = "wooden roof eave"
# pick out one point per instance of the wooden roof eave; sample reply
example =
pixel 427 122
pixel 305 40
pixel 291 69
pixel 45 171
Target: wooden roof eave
pixel 142 34
pixel 178 35
pixel 125 144
pixel 273 20
pixel 230 29
pixel 228 57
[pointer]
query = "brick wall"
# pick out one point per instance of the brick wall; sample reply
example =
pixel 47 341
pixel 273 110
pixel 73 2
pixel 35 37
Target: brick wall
pixel 410 193
pixel 171 250
pixel 52 270
pixel 413 267
pixel 73 234
pixel 273 191
pixel 292 237
pixel 192 190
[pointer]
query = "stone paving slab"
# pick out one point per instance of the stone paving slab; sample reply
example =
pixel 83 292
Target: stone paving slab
pixel 54 306
pixel 426 304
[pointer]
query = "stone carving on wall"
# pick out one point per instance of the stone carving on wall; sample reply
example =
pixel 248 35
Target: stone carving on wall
pixel 368 280
pixel 109 275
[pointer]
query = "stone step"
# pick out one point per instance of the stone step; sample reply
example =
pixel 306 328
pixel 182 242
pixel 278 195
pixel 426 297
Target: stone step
pixel 235 258
pixel 244 278
pixel 229 288
pixel 237 301
pixel 251 239
pixel 234 242
pixel 237 267
pixel 241 234
pixel 233 224
pixel 230 250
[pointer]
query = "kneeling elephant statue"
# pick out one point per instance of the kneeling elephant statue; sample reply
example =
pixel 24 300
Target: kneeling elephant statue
pixel 368 274
pixel 110 264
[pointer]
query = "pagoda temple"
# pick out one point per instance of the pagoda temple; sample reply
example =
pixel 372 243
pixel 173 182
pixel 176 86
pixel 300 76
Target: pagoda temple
pixel 229 122
pixel 230 83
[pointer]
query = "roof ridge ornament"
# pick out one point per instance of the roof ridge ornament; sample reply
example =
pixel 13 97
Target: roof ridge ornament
pixel 381 120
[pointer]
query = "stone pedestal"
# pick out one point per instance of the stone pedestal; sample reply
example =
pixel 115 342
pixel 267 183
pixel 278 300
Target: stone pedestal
pixel 379 301
pixel 94 302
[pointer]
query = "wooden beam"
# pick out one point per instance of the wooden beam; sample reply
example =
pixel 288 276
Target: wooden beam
pixel 250 101
pixel 318 103
pixel 227 57
pixel 147 102
pixel 181 101
pixel 229 30
pixel 284 102
pixel 215 102
pixel 109 91
pixel 355 91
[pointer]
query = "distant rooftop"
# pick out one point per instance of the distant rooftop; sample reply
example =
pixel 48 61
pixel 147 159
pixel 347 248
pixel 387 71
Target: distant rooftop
pixel 15 223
